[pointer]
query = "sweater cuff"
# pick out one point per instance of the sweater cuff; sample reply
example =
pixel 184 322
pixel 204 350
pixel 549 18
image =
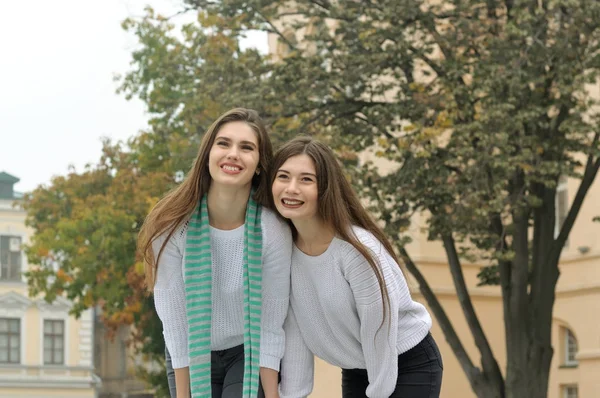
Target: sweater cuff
pixel 271 362
pixel 180 362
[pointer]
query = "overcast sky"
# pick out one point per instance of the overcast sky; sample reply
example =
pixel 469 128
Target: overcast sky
pixel 57 95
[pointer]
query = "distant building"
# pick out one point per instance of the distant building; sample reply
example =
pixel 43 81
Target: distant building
pixel 116 365
pixel 44 352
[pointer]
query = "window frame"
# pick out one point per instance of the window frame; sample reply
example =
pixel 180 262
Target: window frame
pixel 566 388
pixel 11 268
pixel 53 336
pixel 10 336
pixel 568 340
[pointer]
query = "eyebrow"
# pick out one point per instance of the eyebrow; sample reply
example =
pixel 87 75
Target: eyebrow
pixel 241 142
pixel 302 174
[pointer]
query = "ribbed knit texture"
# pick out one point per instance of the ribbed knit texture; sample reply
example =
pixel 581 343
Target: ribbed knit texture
pixel 198 288
pixel 336 312
pixel 227 247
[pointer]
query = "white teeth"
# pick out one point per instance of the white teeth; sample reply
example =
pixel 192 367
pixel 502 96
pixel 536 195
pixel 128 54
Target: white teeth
pixel 231 168
pixel 292 202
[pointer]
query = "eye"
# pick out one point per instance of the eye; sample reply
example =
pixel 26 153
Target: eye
pixel 282 176
pixel 307 179
pixel 247 147
pixel 222 143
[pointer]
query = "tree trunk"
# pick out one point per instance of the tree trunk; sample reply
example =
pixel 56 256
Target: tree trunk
pixel 533 382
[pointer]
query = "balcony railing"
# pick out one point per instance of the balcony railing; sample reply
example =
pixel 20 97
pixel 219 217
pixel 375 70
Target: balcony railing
pixel 47 376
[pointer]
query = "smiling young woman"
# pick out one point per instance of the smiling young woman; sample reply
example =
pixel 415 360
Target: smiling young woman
pixel 349 303
pixel 218 261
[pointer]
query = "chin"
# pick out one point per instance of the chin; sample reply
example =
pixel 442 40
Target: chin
pixel 285 213
pixel 231 182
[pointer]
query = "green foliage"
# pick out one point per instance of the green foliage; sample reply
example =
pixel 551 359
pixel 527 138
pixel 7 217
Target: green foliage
pixel 482 106
pixel 86 223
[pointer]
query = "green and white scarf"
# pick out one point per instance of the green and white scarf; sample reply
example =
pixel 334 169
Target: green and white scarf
pixel 198 287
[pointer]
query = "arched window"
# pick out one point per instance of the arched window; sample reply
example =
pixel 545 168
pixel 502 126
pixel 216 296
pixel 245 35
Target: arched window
pixel 569 348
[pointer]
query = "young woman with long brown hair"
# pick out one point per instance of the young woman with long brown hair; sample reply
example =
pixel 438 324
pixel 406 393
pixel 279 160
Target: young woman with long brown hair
pixel 218 261
pixel 349 303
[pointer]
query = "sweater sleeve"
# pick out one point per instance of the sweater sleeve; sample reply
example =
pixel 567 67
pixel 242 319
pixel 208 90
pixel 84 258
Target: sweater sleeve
pixel 378 340
pixel 169 297
pixel 277 256
pixel 297 368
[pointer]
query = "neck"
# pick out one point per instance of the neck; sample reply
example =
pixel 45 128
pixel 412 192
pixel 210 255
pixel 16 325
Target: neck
pixel 227 206
pixel 314 236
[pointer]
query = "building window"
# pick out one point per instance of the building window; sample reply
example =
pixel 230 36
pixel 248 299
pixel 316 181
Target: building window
pixel 10 340
pixel 570 392
pixel 54 342
pixel 10 258
pixel 561 203
pixel 570 348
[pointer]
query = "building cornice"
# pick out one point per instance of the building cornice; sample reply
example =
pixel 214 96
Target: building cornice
pixel 48 383
pixel 564 259
pixel 588 355
pixel 60 305
pixel 14 301
pixel 31 376
pixel 9 205
pixel 491 292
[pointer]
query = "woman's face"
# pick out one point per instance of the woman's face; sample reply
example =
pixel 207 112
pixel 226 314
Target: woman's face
pixel 295 189
pixel 234 155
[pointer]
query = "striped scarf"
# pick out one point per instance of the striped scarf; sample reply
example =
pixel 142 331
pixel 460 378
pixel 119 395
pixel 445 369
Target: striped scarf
pixel 198 287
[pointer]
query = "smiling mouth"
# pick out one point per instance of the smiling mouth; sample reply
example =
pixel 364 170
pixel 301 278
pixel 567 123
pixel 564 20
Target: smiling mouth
pixel 292 203
pixel 231 169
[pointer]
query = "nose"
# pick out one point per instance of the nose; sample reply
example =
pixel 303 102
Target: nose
pixel 292 186
pixel 233 153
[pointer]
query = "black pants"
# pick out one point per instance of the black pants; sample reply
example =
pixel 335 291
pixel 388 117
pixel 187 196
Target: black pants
pixel 227 373
pixel 170 374
pixel 419 374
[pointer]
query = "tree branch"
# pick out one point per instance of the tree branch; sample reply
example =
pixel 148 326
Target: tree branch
pixel 544 219
pixel 543 296
pixel 488 361
pixel 497 227
pixel 517 314
pixel 472 372
pixel 273 29
pixel 591 170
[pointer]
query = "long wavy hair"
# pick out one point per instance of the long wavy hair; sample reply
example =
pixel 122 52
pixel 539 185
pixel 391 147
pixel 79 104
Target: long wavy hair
pixel 178 205
pixel 338 205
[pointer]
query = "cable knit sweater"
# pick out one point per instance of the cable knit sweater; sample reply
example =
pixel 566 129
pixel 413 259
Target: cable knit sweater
pixel 336 312
pixel 227 295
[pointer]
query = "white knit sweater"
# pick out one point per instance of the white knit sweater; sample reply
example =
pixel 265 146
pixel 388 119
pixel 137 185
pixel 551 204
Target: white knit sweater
pixel 336 311
pixel 227 290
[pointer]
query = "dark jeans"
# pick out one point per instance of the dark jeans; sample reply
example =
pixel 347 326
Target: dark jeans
pixel 170 374
pixel 419 374
pixel 227 373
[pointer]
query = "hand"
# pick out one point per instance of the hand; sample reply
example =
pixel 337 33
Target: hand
pixel 270 382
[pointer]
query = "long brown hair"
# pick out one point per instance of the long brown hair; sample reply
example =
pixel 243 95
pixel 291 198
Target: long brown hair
pixel 338 204
pixel 177 205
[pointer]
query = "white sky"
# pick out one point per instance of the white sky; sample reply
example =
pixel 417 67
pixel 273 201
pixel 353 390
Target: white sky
pixel 57 95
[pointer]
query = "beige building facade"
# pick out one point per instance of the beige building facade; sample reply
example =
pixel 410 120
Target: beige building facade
pixel 117 365
pixel 44 352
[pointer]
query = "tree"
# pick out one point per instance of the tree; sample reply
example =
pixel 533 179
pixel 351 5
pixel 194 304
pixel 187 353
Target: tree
pixel 83 247
pixel 483 107
pixel 86 223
